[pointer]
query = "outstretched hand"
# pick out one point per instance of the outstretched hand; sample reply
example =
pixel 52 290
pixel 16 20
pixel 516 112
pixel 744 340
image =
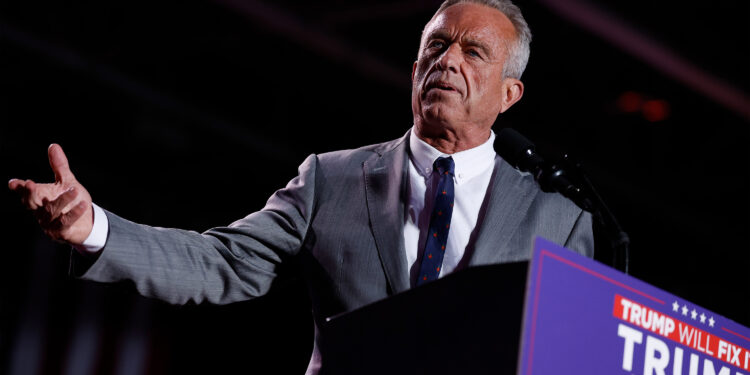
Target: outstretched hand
pixel 63 208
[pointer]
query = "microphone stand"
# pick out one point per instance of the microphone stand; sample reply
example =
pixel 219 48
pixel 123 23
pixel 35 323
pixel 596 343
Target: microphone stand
pixel 554 177
pixel 590 200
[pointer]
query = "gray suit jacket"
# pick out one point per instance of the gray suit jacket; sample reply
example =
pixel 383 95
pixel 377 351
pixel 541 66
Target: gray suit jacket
pixel 341 220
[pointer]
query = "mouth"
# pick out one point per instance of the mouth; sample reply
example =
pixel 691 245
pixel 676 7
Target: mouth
pixel 441 86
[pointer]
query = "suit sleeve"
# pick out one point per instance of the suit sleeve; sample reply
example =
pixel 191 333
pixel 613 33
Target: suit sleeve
pixel 222 265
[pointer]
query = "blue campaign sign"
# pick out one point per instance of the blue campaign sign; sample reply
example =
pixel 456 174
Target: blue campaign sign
pixel 582 317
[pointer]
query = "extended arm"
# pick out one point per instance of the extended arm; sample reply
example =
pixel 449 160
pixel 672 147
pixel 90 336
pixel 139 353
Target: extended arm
pixel 222 265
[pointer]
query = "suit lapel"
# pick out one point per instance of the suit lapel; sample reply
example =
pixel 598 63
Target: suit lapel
pixel 508 201
pixel 385 189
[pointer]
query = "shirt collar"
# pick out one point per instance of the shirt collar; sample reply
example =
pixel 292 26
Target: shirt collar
pixel 468 163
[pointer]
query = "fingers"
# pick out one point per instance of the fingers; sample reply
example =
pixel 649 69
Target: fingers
pixel 14 184
pixel 55 221
pixel 21 187
pixel 59 163
pixel 64 228
pixel 29 197
pixel 67 219
pixel 52 210
pixel 29 191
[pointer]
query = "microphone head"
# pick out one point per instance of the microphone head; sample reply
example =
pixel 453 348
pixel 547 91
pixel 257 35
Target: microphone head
pixel 514 148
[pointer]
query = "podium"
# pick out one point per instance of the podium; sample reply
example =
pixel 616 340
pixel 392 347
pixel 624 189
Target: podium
pixel 561 313
pixel 468 322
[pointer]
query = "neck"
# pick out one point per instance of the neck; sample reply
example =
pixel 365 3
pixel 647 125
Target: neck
pixel 449 140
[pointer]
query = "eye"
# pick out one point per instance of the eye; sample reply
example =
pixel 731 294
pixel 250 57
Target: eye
pixel 436 44
pixel 473 53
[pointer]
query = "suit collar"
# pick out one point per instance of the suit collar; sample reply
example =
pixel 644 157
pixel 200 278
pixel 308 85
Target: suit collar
pixel 385 189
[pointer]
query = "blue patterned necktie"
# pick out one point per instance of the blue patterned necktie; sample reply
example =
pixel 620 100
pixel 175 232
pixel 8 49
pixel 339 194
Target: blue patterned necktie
pixel 440 222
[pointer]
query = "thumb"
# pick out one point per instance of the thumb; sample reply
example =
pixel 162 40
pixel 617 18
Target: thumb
pixel 59 163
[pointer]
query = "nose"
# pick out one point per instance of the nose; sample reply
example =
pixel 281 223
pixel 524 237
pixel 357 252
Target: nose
pixel 450 59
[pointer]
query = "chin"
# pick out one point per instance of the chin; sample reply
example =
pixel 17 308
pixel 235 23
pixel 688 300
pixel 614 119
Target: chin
pixel 437 116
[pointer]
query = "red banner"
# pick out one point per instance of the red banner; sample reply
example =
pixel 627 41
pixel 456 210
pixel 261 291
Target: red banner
pixel 680 332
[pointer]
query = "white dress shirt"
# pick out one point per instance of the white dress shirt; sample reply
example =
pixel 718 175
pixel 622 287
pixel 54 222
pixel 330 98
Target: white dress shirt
pixel 473 171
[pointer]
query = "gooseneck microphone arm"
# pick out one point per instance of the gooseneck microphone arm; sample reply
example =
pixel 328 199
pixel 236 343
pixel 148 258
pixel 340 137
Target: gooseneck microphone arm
pixel 568 179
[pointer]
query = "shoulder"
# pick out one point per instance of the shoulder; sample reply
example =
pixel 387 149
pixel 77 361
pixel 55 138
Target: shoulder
pixel 552 215
pixel 347 163
pixel 344 159
pixel 510 177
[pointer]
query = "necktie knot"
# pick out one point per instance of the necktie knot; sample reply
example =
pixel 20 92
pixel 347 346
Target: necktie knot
pixel 444 165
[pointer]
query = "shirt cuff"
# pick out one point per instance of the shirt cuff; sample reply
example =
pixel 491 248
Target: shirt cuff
pixel 98 237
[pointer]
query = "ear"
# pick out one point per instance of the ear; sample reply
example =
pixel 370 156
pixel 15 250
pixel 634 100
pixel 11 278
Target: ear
pixel 413 69
pixel 512 91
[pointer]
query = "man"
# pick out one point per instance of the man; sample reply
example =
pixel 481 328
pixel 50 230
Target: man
pixel 364 224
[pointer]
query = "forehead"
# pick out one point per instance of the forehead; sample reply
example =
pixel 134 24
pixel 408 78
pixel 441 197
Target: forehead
pixel 476 21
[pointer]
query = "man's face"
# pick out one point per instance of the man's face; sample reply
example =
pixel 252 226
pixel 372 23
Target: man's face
pixel 457 80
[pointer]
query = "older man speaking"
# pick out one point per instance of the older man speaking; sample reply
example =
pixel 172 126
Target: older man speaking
pixel 366 223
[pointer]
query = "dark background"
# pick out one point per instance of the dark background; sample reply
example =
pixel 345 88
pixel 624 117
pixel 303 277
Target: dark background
pixel 191 113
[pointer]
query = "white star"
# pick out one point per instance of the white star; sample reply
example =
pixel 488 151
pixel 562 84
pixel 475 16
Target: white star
pixel 711 321
pixel 684 310
pixel 703 318
pixel 675 306
pixel 693 314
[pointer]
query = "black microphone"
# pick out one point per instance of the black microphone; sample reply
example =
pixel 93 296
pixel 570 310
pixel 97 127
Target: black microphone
pixel 521 154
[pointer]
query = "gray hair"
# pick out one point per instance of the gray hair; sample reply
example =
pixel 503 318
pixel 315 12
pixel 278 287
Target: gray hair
pixel 518 53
